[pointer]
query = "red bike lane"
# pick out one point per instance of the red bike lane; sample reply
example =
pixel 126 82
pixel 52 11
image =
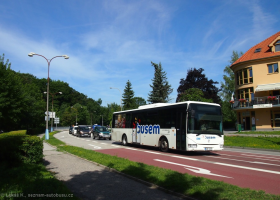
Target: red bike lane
pixel 232 169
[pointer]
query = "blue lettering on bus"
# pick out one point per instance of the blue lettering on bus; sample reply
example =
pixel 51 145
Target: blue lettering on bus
pixel 151 129
pixel 210 137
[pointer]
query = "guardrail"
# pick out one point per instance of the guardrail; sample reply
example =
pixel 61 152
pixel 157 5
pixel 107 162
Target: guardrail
pixel 61 128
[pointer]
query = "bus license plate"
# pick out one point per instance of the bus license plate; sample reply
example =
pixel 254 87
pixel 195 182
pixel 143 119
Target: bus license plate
pixel 208 148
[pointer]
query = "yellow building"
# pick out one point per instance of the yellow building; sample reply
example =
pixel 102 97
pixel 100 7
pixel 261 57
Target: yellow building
pixel 257 86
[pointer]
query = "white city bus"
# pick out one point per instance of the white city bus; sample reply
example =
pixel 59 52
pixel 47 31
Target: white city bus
pixel 186 126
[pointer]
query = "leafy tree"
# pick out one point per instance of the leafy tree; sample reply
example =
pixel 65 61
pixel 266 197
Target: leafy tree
pixel 111 108
pixel 23 102
pixel 67 118
pixel 34 104
pixel 11 97
pixel 139 101
pixel 194 94
pixel 228 86
pixel 227 90
pixel 160 87
pixel 196 79
pixel 128 101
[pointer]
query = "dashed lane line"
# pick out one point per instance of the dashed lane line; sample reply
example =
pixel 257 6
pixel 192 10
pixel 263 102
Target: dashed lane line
pixel 96 147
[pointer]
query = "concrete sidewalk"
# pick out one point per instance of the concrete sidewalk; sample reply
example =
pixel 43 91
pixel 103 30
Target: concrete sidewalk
pixel 87 180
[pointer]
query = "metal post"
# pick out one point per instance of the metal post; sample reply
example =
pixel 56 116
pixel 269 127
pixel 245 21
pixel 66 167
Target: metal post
pixel 48 87
pixel 52 116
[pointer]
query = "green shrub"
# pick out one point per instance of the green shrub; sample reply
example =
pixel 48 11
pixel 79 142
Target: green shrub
pixel 31 150
pixel 35 131
pixel 16 147
pixel 9 146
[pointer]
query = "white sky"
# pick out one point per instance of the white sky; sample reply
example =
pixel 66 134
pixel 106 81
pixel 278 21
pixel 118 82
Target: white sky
pixel 112 41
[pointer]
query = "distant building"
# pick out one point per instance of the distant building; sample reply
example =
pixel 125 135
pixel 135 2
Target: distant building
pixel 257 86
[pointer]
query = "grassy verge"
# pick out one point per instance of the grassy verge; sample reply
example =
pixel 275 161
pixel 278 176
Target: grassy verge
pixel 259 132
pixel 186 184
pixel 253 142
pixel 22 181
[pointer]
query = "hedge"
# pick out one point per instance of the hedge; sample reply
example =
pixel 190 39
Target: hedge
pixel 16 147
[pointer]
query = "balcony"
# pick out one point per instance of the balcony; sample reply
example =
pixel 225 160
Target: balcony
pixel 258 102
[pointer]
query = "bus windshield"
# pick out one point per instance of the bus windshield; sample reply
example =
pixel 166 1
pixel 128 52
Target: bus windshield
pixel 205 119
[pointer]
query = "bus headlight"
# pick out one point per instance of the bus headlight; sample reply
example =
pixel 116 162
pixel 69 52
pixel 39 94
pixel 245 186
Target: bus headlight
pixel 221 146
pixel 192 145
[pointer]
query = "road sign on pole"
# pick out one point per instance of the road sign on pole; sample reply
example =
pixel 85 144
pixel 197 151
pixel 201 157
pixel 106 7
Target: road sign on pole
pixel 51 114
pixel 56 120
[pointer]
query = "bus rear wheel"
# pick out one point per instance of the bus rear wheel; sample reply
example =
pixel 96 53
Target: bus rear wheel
pixel 124 140
pixel 163 145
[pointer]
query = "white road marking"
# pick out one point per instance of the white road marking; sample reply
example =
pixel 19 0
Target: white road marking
pixel 250 168
pixel 184 158
pixel 133 149
pixel 253 157
pixel 115 146
pixel 103 143
pixel 243 160
pixel 151 152
pixel 193 169
pixel 260 156
pixel 265 163
pixel 96 147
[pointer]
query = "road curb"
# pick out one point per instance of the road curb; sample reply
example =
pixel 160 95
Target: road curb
pixel 272 150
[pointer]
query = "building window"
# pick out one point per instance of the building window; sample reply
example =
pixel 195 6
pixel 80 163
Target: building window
pixel 246 93
pixel 244 76
pixel 258 50
pixel 277 46
pixel 272 68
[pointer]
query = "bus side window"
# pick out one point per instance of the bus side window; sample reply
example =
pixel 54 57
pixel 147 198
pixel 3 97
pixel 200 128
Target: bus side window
pixel 128 123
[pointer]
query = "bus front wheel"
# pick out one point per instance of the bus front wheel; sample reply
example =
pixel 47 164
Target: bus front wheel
pixel 124 140
pixel 164 145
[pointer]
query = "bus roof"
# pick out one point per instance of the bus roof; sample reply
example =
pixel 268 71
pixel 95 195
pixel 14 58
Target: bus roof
pixel 158 105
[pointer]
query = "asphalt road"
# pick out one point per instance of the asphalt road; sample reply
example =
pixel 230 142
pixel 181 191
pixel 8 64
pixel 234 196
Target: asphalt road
pixel 242 167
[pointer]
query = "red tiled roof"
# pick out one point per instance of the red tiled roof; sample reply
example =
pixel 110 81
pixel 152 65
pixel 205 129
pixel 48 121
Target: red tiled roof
pixel 264 53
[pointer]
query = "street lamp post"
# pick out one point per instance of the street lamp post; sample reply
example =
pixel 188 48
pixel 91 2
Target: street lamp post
pixel 53 94
pixel 120 95
pixel 31 54
pixel 76 113
pixel 102 119
pixel 91 118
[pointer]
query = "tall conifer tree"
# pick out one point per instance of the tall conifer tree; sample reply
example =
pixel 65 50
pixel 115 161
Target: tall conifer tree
pixel 128 101
pixel 160 87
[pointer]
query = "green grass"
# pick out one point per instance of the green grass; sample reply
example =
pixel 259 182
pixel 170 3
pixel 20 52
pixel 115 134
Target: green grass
pixel 186 184
pixel 259 132
pixel 253 142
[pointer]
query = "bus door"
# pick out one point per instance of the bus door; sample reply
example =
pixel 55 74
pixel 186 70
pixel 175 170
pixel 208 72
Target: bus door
pixel 136 137
pixel 181 129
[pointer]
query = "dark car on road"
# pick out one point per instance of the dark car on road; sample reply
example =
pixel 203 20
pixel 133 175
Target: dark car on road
pixel 83 130
pixel 71 130
pixel 101 132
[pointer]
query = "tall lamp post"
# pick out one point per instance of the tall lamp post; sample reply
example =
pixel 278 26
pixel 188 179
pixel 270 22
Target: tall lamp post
pixel 53 94
pixel 102 119
pixel 120 95
pixel 76 113
pixel 31 54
